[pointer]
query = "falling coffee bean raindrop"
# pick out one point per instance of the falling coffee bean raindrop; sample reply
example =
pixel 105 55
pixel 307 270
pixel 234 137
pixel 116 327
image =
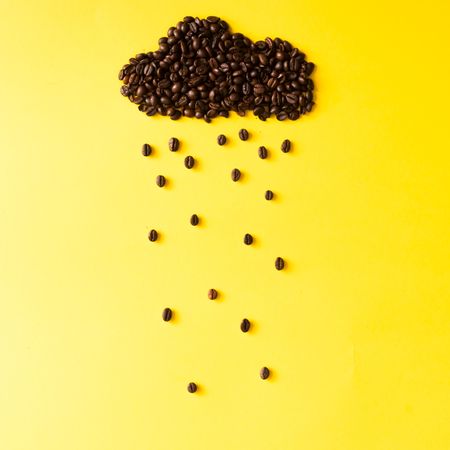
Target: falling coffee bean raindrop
pixel 286 146
pixel 264 373
pixel 212 294
pixel 153 235
pixel 243 134
pixel 146 150
pixel 192 387
pixel 279 263
pixel 248 239
pixel 269 195
pixel 235 174
pixel 189 162
pixel 245 325
pixel 262 152
pixel 174 144
pixel 194 220
pixel 160 180
pixel 167 314
pixel 221 139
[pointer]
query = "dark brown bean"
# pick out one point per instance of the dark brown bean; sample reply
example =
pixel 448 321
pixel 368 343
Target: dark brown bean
pixel 269 195
pixel 262 152
pixel 248 239
pixel 146 150
pixel 212 294
pixel 279 263
pixel 167 314
pixel 189 162
pixel 160 180
pixel 192 388
pixel 153 235
pixel 194 220
pixel 221 139
pixel 286 146
pixel 174 144
pixel 243 134
pixel 245 325
pixel 264 373
pixel 235 174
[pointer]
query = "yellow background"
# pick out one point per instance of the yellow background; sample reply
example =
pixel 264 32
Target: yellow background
pixel 356 330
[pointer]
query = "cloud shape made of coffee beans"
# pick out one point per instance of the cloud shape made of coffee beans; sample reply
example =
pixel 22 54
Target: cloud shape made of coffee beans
pixel 204 70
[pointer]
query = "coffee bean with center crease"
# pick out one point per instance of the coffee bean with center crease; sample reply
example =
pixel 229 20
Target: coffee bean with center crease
pixel 167 314
pixel 248 239
pixel 174 144
pixel 160 180
pixel 269 195
pixel 279 263
pixel 235 174
pixel 146 150
pixel 286 146
pixel 221 139
pixel 189 162
pixel 245 325
pixel 192 387
pixel 153 235
pixel 212 294
pixel 264 373
pixel 194 220
pixel 243 134
pixel 262 152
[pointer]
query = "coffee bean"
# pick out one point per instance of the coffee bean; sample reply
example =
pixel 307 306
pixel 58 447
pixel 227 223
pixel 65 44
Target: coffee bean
pixel 221 139
pixel 189 162
pixel 286 146
pixel 194 220
pixel 279 263
pixel 212 294
pixel 269 195
pixel 160 180
pixel 262 152
pixel 248 239
pixel 235 174
pixel 245 325
pixel 146 150
pixel 153 235
pixel 167 314
pixel 243 134
pixel 192 387
pixel 174 144
pixel 264 373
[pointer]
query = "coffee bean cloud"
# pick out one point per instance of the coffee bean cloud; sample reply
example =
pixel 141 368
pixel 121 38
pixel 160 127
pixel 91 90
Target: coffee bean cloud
pixel 202 69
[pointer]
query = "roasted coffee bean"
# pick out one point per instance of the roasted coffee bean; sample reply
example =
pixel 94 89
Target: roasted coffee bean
pixel 160 180
pixel 264 373
pixel 194 220
pixel 269 195
pixel 192 387
pixel 245 325
pixel 204 70
pixel 248 239
pixel 174 144
pixel 153 235
pixel 279 263
pixel 212 294
pixel 243 134
pixel 235 174
pixel 286 146
pixel 189 162
pixel 146 150
pixel 167 314
pixel 262 152
pixel 221 139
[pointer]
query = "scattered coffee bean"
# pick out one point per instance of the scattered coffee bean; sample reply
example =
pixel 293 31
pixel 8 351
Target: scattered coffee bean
pixel 248 239
pixel 279 263
pixel 192 387
pixel 160 180
pixel 235 174
pixel 194 220
pixel 286 146
pixel 203 69
pixel 243 134
pixel 174 144
pixel 264 373
pixel 146 150
pixel 262 152
pixel 212 294
pixel 221 139
pixel 167 314
pixel 269 195
pixel 189 162
pixel 245 325
pixel 153 235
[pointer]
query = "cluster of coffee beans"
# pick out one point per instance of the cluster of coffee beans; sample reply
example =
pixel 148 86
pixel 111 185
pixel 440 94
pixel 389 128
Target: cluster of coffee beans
pixel 204 70
pixel 213 294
